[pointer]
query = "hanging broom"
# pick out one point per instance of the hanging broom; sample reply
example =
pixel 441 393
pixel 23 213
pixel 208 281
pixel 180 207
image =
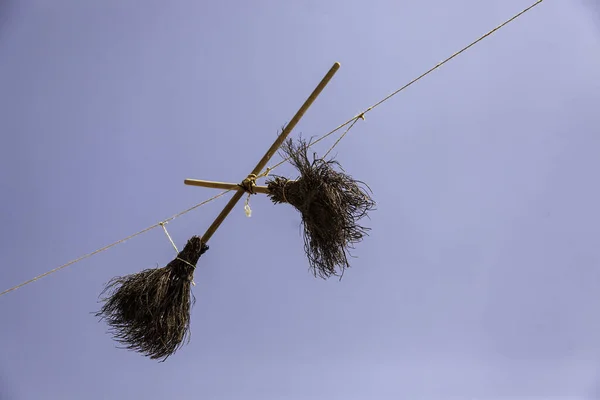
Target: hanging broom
pixel 149 311
pixel 330 202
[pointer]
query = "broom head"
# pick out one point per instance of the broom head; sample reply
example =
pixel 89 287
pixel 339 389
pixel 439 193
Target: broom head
pixel 331 204
pixel 149 312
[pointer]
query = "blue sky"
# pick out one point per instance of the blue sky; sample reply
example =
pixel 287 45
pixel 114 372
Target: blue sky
pixel 480 279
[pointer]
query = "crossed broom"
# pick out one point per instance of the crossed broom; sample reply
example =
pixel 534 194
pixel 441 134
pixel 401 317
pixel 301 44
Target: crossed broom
pixel 149 312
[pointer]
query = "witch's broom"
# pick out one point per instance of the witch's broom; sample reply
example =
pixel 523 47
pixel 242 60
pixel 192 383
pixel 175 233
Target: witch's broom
pixel 149 312
pixel 330 202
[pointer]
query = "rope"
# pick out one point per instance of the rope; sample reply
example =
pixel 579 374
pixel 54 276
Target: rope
pixel 112 244
pixel 163 224
pixel 352 121
pixel 361 115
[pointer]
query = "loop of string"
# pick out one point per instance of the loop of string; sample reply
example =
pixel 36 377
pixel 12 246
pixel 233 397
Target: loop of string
pixel 283 191
pixel 247 208
pixel 351 121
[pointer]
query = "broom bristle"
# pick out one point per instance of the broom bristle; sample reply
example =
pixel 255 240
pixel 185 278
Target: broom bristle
pixel 149 312
pixel 331 203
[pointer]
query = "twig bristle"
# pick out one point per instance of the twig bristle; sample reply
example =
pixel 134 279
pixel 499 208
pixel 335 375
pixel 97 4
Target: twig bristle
pixel 331 203
pixel 149 312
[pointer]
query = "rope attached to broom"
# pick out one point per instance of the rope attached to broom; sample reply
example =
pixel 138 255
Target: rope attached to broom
pixel 113 244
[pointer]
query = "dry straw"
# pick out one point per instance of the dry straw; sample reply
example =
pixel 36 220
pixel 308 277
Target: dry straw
pixel 331 203
pixel 150 311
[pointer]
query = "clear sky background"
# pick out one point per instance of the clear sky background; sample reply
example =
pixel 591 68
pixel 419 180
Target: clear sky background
pixel 480 279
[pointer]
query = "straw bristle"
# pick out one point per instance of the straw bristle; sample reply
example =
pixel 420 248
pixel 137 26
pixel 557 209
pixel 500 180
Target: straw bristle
pixel 331 203
pixel 149 312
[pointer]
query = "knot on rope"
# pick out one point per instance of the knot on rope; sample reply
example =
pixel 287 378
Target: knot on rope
pixel 249 183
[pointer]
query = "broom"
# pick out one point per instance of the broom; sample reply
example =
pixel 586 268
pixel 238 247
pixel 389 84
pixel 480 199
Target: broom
pixel 330 202
pixel 149 312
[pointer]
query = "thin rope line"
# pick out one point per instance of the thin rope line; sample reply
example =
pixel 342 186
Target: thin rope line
pixel 179 214
pixel 361 115
pixel 344 134
pixel 352 120
pixel 163 224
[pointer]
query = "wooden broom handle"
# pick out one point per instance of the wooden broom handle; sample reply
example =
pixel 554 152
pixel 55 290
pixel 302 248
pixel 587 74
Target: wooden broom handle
pixel 274 147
